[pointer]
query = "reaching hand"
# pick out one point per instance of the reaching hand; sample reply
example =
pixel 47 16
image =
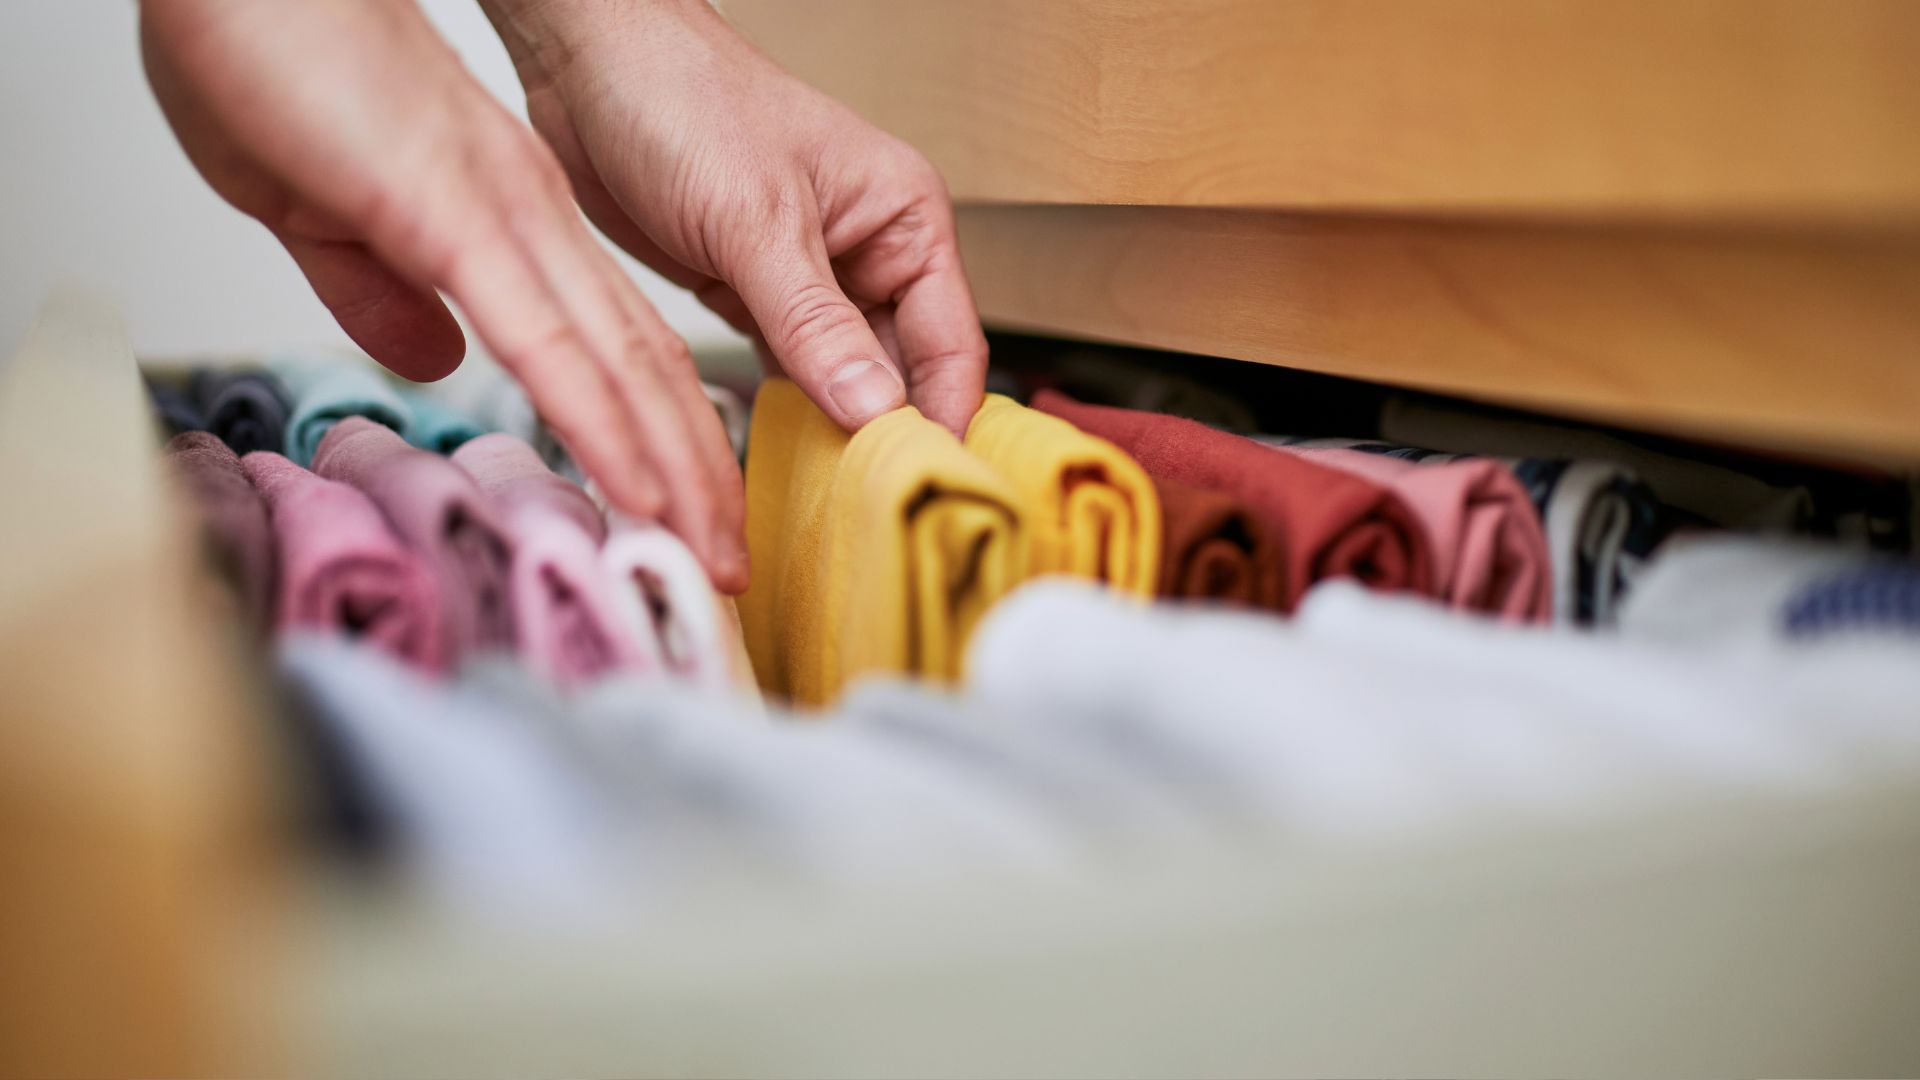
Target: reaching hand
pixel 353 133
pixel 828 241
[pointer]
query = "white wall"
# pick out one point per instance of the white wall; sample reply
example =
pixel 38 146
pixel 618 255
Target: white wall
pixel 94 189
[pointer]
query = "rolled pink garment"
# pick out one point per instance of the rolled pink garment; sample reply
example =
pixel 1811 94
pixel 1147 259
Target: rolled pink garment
pixel 1489 548
pixel 566 619
pixel 442 515
pixel 665 595
pixel 234 523
pixel 343 570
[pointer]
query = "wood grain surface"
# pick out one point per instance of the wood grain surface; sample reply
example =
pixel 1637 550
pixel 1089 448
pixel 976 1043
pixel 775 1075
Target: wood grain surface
pixel 1737 109
pixel 1806 342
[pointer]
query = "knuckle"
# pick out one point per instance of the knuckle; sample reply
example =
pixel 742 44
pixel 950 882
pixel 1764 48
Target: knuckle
pixel 540 353
pixel 812 312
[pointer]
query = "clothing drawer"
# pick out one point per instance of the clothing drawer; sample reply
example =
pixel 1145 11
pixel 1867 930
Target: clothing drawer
pixel 158 922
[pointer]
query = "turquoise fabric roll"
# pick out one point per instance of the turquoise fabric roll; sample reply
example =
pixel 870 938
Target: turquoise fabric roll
pixel 437 426
pixel 325 392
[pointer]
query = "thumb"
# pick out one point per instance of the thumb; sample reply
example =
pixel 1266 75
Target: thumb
pixel 820 339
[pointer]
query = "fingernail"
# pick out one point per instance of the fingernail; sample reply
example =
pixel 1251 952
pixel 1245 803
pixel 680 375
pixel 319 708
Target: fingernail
pixel 863 389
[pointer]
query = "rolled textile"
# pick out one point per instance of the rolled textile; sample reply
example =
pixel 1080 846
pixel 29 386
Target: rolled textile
pixel 173 408
pixel 1323 522
pixel 1601 523
pixel 342 568
pixel 1728 589
pixel 875 552
pixel 1711 492
pixel 325 393
pixel 246 408
pixel 483 391
pixel 663 596
pixel 437 509
pixel 1213 549
pixel 1489 548
pixel 1090 511
pixel 436 426
pixel 566 622
pixel 234 525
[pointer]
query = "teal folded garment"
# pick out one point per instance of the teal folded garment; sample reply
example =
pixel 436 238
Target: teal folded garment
pixel 437 426
pixel 325 392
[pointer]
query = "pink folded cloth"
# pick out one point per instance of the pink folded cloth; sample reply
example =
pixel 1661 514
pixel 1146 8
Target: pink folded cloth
pixel 566 617
pixel 442 515
pixel 343 570
pixel 235 528
pixel 1489 549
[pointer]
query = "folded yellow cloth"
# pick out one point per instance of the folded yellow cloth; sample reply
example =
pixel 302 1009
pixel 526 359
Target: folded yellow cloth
pixel 1090 510
pixel 877 552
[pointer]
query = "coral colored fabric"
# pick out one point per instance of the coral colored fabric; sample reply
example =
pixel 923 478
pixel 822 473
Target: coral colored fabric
pixel 875 552
pixel 1489 550
pixel 1090 511
pixel 1322 522
pixel 442 515
pixel 1213 549
pixel 566 620
pixel 233 519
pixel 247 409
pixel 343 570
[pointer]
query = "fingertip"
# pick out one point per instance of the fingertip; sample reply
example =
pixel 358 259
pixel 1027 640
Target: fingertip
pixel 731 569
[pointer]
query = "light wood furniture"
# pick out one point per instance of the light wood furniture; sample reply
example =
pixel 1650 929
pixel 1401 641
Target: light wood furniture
pixel 1698 217
pixel 135 879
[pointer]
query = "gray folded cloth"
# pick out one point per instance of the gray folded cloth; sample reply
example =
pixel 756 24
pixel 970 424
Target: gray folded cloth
pixel 248 409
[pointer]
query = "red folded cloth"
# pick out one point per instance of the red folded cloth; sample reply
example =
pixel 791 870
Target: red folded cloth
pixel 1214 549
pixel 442 516
pixel 342 568
pixel 1321 522
pixel 1489 549
pixel 234 525
pixel 566 620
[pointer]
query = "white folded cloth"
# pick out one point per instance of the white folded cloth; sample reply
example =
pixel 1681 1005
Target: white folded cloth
pixel 1375 717
pixel 1734 590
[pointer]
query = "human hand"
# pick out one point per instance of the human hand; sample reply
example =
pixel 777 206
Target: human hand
pixel 353 133
pixel 828 241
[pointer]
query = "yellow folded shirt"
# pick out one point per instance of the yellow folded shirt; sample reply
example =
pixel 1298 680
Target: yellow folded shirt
pixel 1090 510
pixel 877 552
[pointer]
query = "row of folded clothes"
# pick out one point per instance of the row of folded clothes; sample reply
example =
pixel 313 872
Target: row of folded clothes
pixel 882 550
pixel 421 530
pixel 1088 728
pixel 288 404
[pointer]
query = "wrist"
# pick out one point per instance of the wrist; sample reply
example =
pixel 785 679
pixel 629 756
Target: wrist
pixel 559 44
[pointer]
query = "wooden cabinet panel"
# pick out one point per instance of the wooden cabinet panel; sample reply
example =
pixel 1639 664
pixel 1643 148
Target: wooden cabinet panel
pixel 1619 108
pixel 1786 340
